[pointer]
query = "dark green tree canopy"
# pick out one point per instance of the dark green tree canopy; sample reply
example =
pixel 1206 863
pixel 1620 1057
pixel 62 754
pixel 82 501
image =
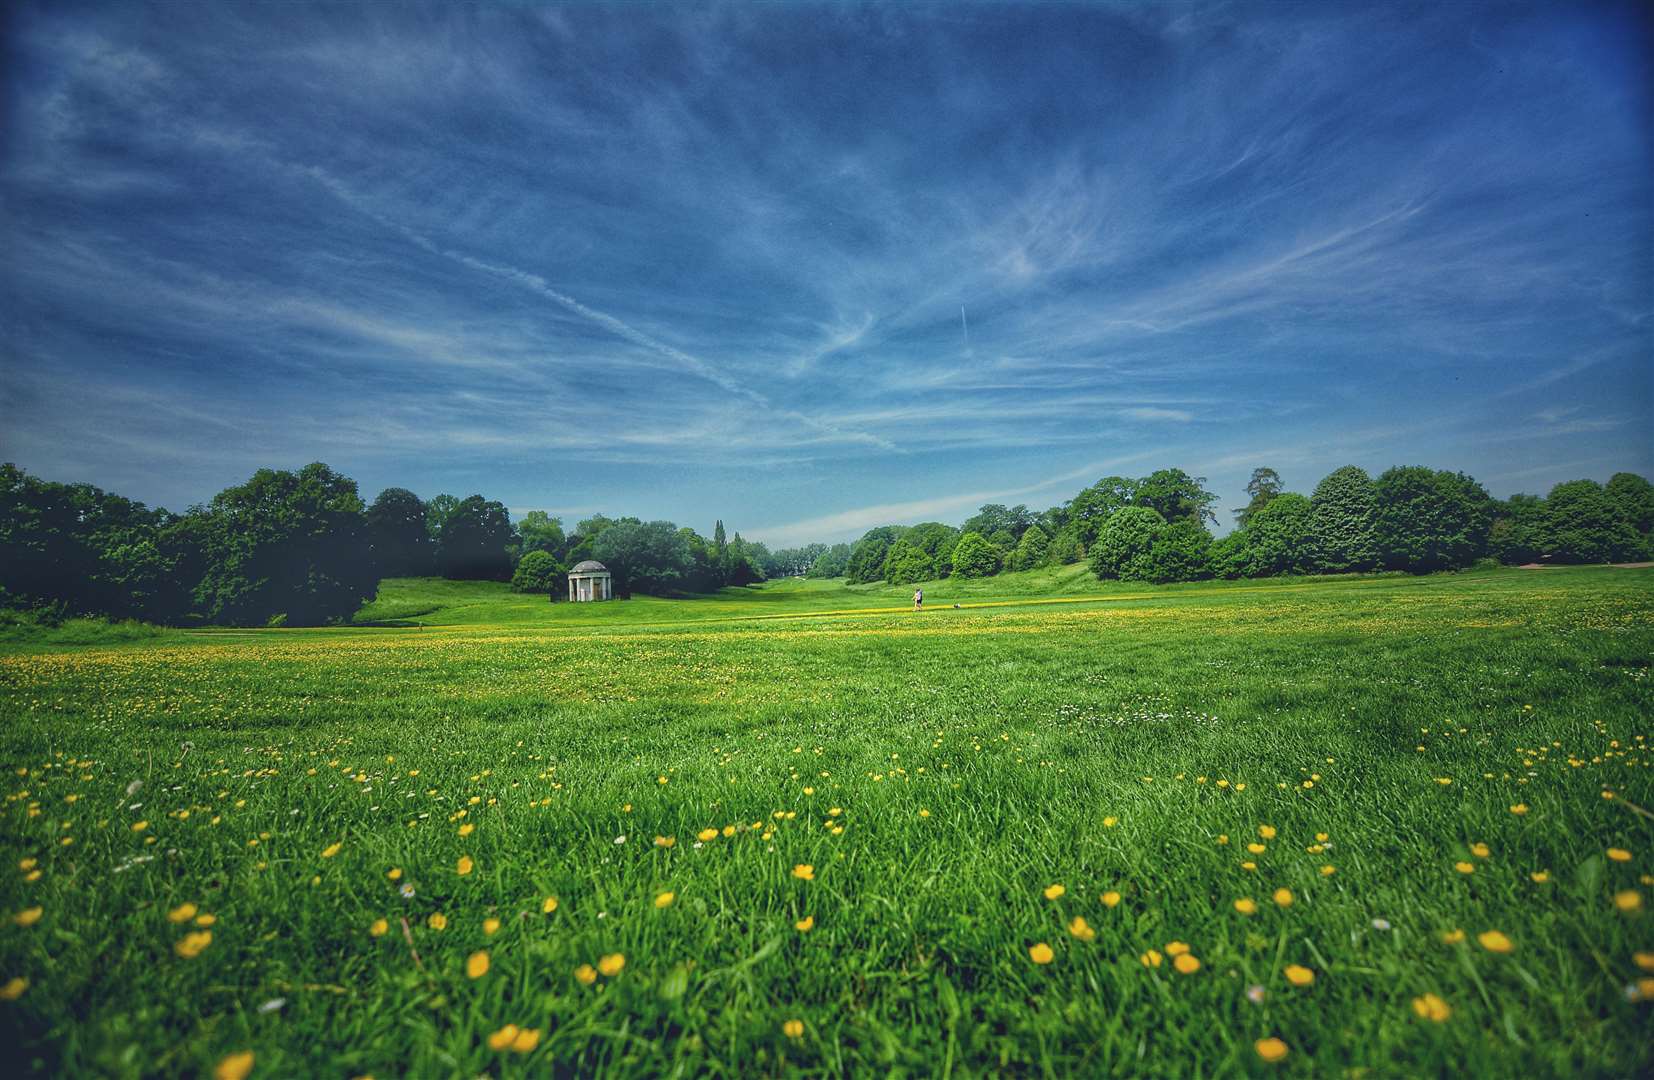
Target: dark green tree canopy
pixel 1430 519
pixel 286 544
pixel 396 533
pixel 1343 521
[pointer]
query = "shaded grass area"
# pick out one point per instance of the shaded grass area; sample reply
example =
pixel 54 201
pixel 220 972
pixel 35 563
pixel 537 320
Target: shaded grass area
pixel 1129 748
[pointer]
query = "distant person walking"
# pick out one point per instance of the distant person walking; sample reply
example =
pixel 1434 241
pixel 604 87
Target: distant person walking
pixel 918 599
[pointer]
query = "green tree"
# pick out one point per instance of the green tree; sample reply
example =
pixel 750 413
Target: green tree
pixel 474 541
pixel 1181 552
pixel 832 563
pixel 1633 497
pixel 1279 537
pixel 397 536
pixel 936 540
pixel 539 572
pixel 286 544
pixel 1031 549
pixel 1264 486
pixel 652 558
pixel 975 557
pixel 1429 520
pixel 539 531
pixel 1121 549
pixel 1342 529
pixel 1087 511
pixel 906 564
pixel 1175 496
pixel 1517 534
pixel 1583 525
pixel 866 562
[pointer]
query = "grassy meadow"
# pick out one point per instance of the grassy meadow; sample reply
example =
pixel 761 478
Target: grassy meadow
pixel 1381 826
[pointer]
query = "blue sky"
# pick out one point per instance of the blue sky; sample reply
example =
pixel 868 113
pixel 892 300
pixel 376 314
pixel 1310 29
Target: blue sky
pixel 812 269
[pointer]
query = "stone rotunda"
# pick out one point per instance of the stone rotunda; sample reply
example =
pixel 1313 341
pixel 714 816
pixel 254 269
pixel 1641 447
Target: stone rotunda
pixel 590 581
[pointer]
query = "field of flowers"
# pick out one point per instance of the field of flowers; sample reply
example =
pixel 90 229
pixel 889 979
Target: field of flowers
pixel 1382 827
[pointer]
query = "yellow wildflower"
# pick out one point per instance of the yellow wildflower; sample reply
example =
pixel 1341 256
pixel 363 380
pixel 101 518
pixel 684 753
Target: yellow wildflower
pixel 1052 892
pixel 1464 867
pixel 1481 851
pixel 476 965
pixel 586 974
pixel 1187 963
pixel 1270 1049
pixel 28 916
pixel 1110 898
pixel 549 906
pixel 1041 953
pixel 1494 941
pixel 490 926
pixel 1150 959
pixel 1432 1008
pixel 706 834
pixel 1628 900
pixel 14 988
pixel 1283 897
pixel 805 925
pixel 503 1038
pixel 1266 831
pixel 793 1029
pixel 467 829
pixel 1298 975
pixel 464 865
pixel 611 964
pixel 1453 937
pixel 192 943
pixel 1540 876
pixel 1081 929
pixel 1246 906
pixel 1619 854
pixel 379 927
pixel 804 872
pixel 665 899
pixel 437 921
pixel 234 1066
pixel 182 913
pixel 525 1042
pixel 331 850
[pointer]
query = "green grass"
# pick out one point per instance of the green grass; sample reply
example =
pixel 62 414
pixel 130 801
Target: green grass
pixel 977 756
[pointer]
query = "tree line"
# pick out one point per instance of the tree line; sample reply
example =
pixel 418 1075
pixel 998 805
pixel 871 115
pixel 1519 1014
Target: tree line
pixel 303 548
pixel 1154 529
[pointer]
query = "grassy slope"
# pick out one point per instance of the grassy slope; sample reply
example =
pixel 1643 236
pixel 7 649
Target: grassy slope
pixel 977 755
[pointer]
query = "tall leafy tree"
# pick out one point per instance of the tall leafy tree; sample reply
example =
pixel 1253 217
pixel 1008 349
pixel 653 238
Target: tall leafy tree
pixel 866 562
pixel 286 544
pixel 975 557
pixel 1176 496
pixel 397 536
pixel 1278 540
pixel 1031 549
pixel 1087 511
pixel 1342 521
pixel 935 540
pixel 539 572
pixel 1121 549
pixel 1582 525
pixel 539 531
pixel 1633 497
pixel 652 558
pixel 1429 520
pixel 832 563
pixel 475 541
pixel 1264 486
pixel 1517 534
pixel 905 563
